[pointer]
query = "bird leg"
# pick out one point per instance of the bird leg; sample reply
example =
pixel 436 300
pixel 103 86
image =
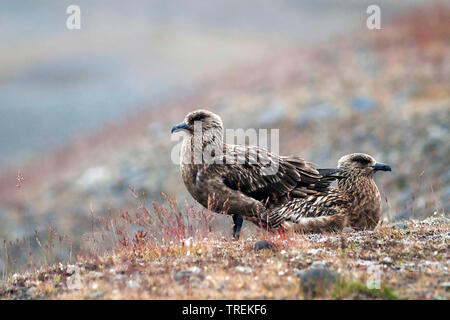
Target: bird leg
pixel 237 224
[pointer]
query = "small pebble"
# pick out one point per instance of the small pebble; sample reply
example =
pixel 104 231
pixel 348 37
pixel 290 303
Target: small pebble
pixel 319 264
pixel 263 244
pixel 445 285
pixel 316 281
pixel 400 226
pixel 188 274
pixel 387 260
pixel 96 295
pixel 243 269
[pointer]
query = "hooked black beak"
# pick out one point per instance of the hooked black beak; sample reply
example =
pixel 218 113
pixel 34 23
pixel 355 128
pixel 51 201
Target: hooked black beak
pixel 381 167
pixel 179 127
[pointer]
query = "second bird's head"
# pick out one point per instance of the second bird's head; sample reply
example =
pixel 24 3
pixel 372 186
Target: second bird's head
pixel 199 121
pixel 361 164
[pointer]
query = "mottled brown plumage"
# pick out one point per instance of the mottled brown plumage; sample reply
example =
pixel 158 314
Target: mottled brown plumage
pixel 354 203
pixel 247 181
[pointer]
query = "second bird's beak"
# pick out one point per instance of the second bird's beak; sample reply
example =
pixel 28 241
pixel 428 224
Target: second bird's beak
pixel 381 167
pixel 180 127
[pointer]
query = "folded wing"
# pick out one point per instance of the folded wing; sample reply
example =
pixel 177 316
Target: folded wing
pixel 267 177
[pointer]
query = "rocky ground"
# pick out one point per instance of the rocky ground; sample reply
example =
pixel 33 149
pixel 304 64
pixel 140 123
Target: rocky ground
pixel 407 260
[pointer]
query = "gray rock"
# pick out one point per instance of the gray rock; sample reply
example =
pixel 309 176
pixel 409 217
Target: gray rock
pixel 272 115
pixel 363 104
pixel 18 280
pixel 316 112
pixel 316 281
pixel 95 274
pixel 263 244
pixel 400 226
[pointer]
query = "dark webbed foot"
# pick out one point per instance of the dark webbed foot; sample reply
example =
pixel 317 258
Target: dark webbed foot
pixel 237 224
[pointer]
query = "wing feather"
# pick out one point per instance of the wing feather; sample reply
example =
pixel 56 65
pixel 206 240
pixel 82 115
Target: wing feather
pixel 245 169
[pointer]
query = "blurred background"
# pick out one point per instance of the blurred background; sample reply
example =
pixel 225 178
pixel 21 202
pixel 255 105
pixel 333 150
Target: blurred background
pixel 86 114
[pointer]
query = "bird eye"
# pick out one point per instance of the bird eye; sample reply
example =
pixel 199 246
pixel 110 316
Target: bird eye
pixel 198 117
pixel 361 160
pixel 364 161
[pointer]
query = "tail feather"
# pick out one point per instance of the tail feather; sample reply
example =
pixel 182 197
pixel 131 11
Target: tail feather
pixel 333 223
pixel 330 173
